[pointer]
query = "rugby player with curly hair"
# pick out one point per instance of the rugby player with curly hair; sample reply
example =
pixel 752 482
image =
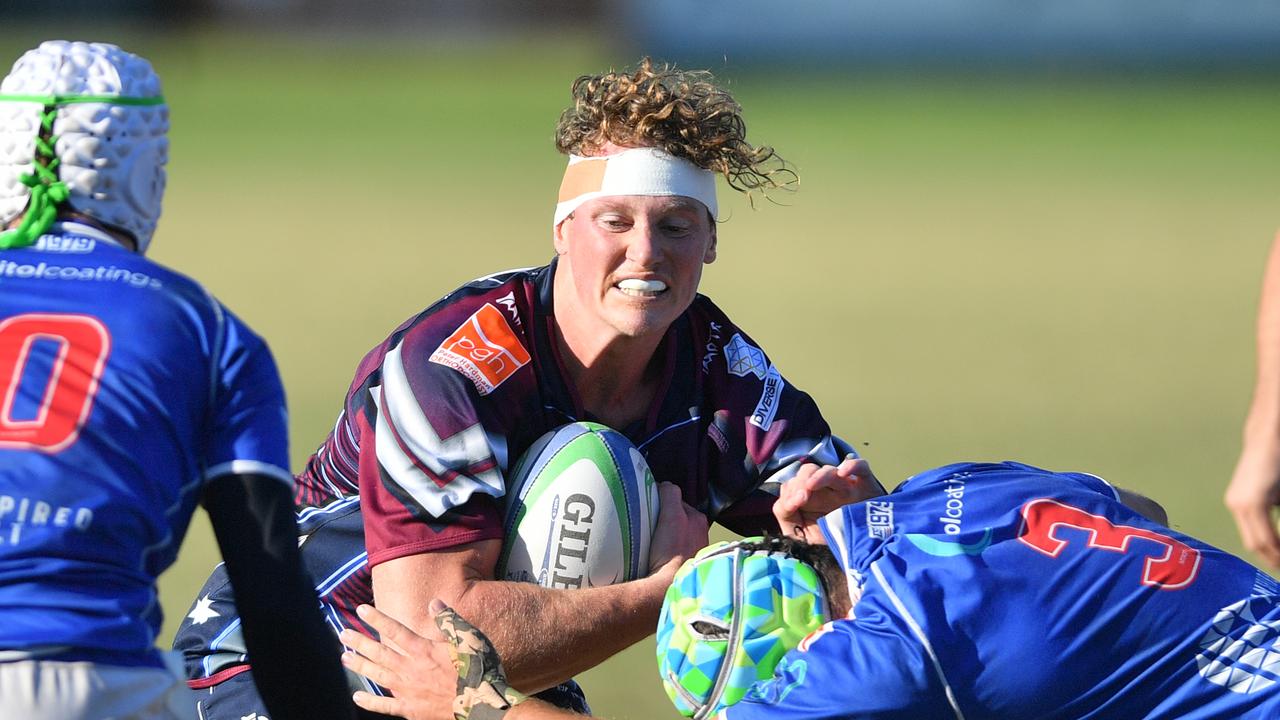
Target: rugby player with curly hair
pixel 404 500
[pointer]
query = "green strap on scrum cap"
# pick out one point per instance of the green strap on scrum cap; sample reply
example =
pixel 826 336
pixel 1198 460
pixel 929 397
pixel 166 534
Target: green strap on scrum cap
pixel 47 191
pixel 55 100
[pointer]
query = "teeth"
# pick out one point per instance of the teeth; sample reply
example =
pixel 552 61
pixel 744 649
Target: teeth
pixel 648 286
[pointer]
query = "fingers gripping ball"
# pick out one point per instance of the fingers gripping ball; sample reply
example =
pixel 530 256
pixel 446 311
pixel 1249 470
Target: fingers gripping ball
pixel 483 692
pixel 728 618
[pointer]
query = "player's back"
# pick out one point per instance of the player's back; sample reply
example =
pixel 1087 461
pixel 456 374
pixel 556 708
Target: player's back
pixel 1043 596
pixel 111 367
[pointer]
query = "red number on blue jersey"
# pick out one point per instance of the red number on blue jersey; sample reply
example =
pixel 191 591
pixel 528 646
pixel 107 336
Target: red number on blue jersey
pixel 82 346
pixel 1173 569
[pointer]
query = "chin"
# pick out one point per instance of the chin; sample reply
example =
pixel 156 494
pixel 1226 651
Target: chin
pixel 638 327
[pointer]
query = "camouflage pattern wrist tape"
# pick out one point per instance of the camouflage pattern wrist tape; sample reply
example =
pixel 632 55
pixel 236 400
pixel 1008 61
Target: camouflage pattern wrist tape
pixel 483 692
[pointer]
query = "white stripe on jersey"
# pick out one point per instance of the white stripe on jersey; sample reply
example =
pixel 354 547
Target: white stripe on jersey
pixel 837 532
pixel 919 633
pixel 401 420
pixel 1115 492
pixel 664 430
pixel 785 461
pixel 250 467
pixel 332 507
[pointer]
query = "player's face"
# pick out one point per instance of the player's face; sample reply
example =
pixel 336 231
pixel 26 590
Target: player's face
pixel 634 262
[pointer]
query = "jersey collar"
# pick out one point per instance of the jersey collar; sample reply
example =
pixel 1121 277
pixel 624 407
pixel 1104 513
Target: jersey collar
pixel 71 227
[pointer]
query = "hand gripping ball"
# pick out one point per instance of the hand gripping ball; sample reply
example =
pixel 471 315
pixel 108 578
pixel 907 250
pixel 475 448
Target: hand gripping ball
pixel 728 618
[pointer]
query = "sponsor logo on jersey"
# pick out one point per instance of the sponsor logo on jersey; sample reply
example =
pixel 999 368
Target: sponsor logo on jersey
pixel 66 244
pixel 100 273
pixel 508 301
pixel 484 348
pixel 879 519
pixel 744 358
pixel 767 407
pixel 953 509
pixel 711 350
pixel 19 513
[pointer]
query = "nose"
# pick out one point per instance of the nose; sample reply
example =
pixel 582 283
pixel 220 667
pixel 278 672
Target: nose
pixel 642 245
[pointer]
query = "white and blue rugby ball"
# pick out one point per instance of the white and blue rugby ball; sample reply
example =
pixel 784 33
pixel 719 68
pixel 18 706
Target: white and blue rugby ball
pixel 581 509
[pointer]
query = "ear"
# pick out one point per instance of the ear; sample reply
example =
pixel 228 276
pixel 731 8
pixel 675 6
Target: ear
pixel 558 240
pixel 710 256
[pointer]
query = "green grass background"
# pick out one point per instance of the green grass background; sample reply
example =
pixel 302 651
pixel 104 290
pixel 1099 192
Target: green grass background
pixel 1053 268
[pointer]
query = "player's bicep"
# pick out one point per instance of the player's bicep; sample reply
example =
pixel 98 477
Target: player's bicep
pixel 850 669
pixel 402 587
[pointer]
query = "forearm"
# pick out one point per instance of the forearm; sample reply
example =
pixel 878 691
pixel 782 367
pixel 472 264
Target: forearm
pixel 535 709
pixel 1262 428
pixel 293 653
pixel 545 636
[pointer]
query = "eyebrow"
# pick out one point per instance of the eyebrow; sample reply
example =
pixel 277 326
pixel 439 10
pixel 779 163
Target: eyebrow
pixel 680 202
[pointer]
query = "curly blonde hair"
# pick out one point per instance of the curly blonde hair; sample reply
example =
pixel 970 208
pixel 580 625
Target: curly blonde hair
pixel 682 112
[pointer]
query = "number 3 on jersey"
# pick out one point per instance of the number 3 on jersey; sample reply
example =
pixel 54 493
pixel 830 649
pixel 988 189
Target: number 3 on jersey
pixel 49 370
pixel 1171 564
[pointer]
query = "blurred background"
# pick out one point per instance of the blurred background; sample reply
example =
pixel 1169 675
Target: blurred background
pixel 1029 230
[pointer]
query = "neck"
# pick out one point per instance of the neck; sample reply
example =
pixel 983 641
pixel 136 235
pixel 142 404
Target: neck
pixel 123 238
pixel 615 376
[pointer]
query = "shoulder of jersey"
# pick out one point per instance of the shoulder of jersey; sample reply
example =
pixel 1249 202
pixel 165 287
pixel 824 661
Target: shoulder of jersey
pixel 478 332
pixel 580 510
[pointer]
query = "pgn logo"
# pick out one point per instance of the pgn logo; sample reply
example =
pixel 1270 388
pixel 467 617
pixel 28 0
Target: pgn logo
pixel 484 348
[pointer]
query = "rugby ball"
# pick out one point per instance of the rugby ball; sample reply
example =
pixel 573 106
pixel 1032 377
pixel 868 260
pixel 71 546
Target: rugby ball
pixel 581 509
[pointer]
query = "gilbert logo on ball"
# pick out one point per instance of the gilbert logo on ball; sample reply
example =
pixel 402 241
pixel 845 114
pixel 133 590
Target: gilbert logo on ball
pixel 581 508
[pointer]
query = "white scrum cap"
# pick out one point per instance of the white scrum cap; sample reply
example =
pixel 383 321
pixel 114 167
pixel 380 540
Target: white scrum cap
pixel 109 126
pixel 637 171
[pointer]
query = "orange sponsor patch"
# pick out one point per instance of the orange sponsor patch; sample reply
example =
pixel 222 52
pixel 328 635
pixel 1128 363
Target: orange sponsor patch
pixel 484 348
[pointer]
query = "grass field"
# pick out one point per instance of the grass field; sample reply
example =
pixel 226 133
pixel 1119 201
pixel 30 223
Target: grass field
pixel 1060 270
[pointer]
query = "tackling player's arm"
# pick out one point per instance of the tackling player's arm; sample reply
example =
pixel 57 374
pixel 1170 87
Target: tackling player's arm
pixel 295 656
pixel 1255 484
pixel 545 636
pixel 817 490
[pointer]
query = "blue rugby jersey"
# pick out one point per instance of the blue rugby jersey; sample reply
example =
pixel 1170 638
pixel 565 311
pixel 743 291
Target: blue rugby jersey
pixel 1003 590
pixel 126 386
pixel 440 411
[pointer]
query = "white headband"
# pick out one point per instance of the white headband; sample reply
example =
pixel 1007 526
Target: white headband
pixel 638 171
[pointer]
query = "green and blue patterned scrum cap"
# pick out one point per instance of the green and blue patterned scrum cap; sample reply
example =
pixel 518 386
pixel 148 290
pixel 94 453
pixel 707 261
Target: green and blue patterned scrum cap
pixel 728 618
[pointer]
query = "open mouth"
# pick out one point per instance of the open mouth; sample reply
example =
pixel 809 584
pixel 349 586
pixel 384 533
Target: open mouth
pixel 635 287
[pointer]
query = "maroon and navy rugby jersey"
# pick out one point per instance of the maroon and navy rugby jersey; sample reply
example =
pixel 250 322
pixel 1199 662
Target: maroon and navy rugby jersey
pixel 439 412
